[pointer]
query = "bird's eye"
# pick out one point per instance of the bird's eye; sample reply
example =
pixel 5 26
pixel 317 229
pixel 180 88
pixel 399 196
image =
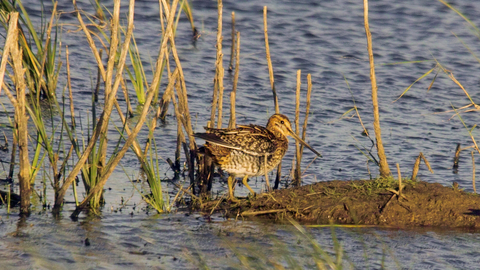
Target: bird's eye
pixel 282 122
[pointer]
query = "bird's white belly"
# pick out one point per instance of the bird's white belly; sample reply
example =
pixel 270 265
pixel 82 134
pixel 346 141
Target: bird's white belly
pixel 242 164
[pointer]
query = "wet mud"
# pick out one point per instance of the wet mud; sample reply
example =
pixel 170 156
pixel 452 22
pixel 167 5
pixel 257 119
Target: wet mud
pixel 361 202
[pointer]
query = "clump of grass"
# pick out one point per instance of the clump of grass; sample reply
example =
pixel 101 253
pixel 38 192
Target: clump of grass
pixel 380 184
pixel 156 197
pixel 101 127
pixel 137 77
pixel 39 50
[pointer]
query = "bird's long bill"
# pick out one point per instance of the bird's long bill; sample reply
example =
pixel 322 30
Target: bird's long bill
pixel 304 143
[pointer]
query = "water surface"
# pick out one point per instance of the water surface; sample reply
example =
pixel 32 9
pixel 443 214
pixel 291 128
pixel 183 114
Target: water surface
pixel 325 39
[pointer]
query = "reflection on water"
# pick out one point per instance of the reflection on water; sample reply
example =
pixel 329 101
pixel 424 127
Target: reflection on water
pixel 326 39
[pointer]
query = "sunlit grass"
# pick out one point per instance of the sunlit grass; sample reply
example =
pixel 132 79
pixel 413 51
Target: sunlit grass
pixel 40 50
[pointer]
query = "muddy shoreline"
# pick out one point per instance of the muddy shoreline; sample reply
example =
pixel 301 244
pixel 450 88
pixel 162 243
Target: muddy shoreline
pixel 361 202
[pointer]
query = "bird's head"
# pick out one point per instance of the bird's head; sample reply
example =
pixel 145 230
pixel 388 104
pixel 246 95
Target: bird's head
pixel 280 124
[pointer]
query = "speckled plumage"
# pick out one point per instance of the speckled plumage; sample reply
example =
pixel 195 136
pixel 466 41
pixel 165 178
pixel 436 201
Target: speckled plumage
pixel 242 151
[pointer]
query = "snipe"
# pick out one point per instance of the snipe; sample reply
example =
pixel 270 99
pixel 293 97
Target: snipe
pixel 249 150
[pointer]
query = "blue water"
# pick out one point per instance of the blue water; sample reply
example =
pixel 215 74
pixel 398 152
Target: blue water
pixel 325 39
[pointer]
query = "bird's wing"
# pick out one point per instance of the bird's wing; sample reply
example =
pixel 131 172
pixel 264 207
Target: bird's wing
pixel 215 139
pixel 252 139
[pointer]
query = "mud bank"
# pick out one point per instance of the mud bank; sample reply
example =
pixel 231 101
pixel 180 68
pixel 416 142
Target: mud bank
pixel 362 202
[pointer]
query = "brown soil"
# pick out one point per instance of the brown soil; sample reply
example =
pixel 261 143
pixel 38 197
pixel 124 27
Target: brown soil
pixel 362 202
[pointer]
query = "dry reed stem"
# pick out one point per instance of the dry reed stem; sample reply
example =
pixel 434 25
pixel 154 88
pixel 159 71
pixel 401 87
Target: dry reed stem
pixel 184 110
pixel 474 143
pixel 11 35
pixel 161 14
pixel 272 84
pixel 183 118
pixel 473 174
pixel 99 79
pixel 232 50
pixel 219 65
pixel 450 75
pixel 307 111
pixel 269 61
pixel 265 212
pixel 426 163
pixel 167 95
pixel 361 122
pixel 21 120
pixel 127 98
pixel 417 165
pixel 297 172
pixel 165 100
pixel 163 108
pixel 233 118
pixel 182 97
pixel 20 117
pixel 456 158
pixel 180 137
pixel 211 123
pixel 112 50
pixel 90 41
pixel 151 91
pixel 395 193
pixel 216 84
pixel 384 169
pixel 13 155
pixel 469 131
pixel 102 124
pixel 400 187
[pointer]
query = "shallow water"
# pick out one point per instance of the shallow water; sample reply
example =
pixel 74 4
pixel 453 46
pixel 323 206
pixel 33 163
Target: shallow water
pixel 327 40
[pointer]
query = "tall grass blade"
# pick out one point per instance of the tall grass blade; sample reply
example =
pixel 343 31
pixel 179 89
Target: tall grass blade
pixel 417 80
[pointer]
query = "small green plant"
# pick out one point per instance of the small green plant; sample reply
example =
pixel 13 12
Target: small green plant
pixel 157 198
pixel 138 78
pixel 370 187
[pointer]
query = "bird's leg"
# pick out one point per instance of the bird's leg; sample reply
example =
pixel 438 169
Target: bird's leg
pixel 266 173
pixel 231 196
pixel 244 181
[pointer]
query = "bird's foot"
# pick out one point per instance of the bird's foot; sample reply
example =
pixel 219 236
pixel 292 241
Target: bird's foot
pixel 233 199
pixel 252 195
